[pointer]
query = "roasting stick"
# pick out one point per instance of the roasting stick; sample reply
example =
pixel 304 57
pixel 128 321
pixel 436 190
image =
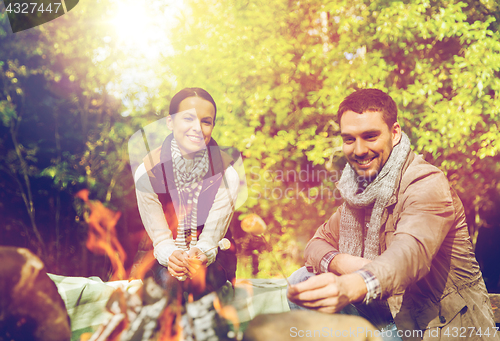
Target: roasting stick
pixel 256 226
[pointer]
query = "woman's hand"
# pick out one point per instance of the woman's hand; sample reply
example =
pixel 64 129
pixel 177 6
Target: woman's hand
pixel 196 260
pixel 178 263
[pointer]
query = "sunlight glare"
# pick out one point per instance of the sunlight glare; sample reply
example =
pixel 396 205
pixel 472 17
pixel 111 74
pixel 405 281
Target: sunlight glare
pixel 142 26
pixel 141 33
pixel 131 23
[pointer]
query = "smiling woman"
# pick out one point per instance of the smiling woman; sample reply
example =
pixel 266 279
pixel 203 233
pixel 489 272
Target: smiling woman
pixel 186 192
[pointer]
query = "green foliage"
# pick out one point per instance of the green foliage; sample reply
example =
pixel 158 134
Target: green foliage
pixel 60 132
pixel 278 71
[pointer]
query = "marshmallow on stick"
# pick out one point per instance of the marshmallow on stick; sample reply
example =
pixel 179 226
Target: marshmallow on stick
pixel 253 224
pixel 256 226
pixel 224 244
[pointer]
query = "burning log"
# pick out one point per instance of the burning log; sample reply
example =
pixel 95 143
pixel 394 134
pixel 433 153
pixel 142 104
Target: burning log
pixel 30 305
pixel 102 238
pixel 152 314
pixel 148 314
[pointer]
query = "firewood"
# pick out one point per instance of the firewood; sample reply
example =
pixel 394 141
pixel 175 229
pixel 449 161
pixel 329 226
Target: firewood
pixel 310 325
pixel 30 305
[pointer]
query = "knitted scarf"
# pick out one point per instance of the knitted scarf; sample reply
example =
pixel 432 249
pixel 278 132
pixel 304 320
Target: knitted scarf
pixel 188 176
pixel 377 194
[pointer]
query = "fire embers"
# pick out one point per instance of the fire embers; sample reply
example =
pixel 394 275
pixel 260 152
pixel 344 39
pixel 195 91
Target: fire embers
pixel 30 305
pixel 155 314
pixel 147 314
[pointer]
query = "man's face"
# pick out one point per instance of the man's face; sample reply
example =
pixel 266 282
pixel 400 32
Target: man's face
pixel 368 141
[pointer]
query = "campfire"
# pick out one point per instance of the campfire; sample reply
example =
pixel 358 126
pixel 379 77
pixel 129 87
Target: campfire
pixel 153 313
pixel 150 312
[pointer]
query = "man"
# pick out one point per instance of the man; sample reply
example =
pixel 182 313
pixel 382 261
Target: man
pixel 400 236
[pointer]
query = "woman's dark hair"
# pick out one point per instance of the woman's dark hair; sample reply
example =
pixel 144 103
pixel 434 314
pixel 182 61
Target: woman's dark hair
pixel 370 100
pixel 190 92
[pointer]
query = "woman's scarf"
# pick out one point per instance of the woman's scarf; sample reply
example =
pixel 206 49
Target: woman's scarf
pixel 188 176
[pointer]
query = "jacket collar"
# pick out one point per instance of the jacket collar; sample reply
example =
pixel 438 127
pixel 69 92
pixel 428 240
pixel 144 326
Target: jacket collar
pixel 409 160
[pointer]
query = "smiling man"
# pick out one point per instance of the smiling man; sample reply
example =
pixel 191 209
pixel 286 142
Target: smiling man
pixel 398 251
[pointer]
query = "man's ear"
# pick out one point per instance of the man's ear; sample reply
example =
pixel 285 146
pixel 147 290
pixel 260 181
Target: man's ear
pixel 396 133
pixel 170 123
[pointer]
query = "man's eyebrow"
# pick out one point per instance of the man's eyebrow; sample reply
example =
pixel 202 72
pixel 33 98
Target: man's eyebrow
pixel 373 131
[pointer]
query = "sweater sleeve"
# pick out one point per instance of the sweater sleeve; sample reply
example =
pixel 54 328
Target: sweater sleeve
pixel 220 214
pixel 325 241
pixel 153 218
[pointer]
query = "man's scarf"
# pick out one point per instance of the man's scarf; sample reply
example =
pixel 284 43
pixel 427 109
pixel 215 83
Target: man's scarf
pixel 188 181
pixel 377 193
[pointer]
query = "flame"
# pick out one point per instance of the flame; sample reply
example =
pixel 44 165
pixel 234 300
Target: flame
pixel 197 283
pixel 146 263
pixel 102 237
pixel 229 313
pixel 171 329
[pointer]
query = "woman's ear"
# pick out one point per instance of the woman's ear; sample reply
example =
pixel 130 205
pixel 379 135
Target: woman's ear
pixel 170 122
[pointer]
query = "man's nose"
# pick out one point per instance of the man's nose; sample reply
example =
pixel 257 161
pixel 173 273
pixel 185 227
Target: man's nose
pixel 360 149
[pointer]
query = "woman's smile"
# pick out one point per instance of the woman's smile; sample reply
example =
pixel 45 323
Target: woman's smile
pixel 195 138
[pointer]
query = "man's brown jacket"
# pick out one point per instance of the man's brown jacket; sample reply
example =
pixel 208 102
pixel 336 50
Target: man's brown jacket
pixel 427 268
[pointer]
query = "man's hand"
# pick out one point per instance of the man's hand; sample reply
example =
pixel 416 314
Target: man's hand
pixel 178 263
pixel 327 292
pixel 343 264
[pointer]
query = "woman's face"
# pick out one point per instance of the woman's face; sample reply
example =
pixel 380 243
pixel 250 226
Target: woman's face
pixel 193 124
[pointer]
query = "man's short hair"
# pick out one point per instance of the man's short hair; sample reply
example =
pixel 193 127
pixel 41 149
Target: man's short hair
pixel 370 100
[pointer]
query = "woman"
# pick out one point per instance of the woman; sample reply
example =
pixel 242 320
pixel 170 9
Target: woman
pixel 185 192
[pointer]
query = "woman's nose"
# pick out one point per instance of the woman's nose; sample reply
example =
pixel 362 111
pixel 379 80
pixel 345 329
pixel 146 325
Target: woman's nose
pixel 196 126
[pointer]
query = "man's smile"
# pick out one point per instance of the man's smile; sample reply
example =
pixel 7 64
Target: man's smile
pixel 366 162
